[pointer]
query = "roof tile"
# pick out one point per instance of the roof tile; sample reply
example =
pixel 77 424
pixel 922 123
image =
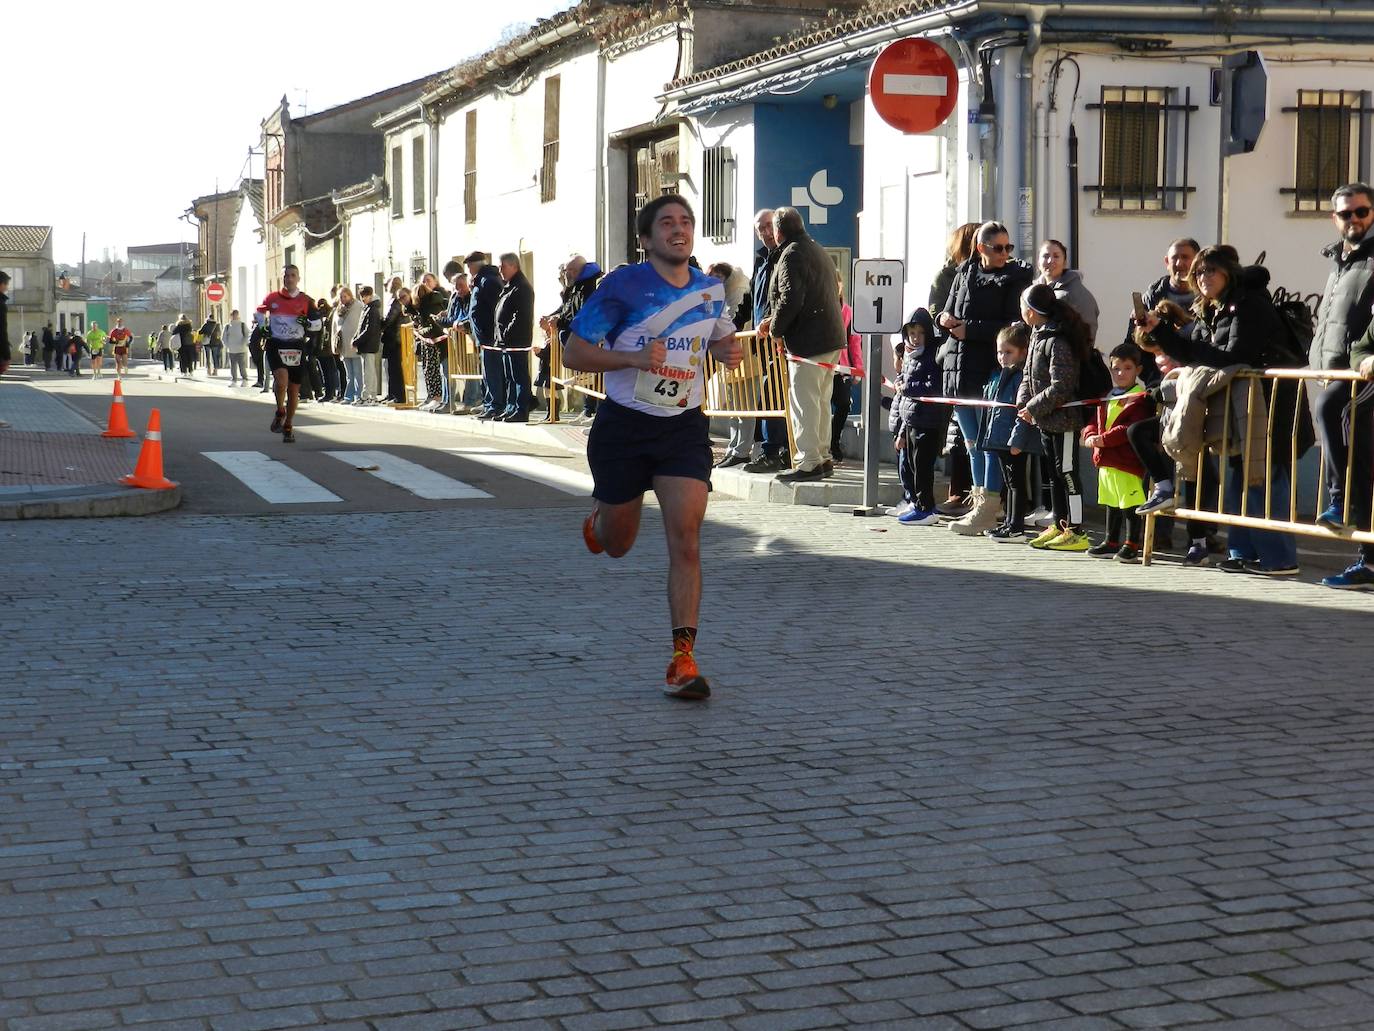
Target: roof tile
pixel 24 239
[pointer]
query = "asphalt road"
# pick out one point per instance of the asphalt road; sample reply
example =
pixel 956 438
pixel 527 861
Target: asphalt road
pixel 197 424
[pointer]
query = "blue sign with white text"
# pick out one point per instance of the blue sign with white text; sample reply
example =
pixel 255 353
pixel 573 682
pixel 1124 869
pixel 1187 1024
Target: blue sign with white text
pixel 804 158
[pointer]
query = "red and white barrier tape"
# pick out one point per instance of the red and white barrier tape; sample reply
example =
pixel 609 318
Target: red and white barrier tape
pixel 978 402
pixel 843 370
pixel 969 402
pixel 511 350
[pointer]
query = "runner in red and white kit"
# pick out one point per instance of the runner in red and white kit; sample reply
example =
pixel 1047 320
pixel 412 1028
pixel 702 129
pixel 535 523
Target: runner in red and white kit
pixel 289 314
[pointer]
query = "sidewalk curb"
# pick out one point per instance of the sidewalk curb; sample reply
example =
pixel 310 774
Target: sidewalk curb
pixel 90 502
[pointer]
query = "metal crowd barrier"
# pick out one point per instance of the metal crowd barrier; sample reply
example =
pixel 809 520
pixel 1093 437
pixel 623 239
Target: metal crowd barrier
pixel 757 389
pixel 1281 516
pixel 464 362
pixel 409 366
pixel 569 381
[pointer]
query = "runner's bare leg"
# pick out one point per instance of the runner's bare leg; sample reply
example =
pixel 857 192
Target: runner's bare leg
pixel 683 501
pixel 279 388
pixel 617 526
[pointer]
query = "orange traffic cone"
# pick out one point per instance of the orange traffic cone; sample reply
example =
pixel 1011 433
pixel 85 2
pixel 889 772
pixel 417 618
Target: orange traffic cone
pixel 118 422
pixel 148 472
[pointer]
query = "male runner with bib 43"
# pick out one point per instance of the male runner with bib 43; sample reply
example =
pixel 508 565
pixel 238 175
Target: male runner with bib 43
pixel 657 320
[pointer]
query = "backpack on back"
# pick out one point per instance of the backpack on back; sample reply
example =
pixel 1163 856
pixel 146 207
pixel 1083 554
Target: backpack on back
pixel 1094 378
pixel 1299 318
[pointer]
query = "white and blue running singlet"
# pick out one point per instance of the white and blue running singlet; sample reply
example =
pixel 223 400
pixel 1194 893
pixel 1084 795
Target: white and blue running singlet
pixel 634 305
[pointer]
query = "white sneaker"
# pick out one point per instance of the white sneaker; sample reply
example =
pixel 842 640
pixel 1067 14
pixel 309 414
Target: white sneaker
pixel 903 508
pixel 1040 517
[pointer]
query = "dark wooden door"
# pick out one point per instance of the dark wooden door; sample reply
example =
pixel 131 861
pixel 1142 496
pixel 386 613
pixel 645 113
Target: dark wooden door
pixel 653 168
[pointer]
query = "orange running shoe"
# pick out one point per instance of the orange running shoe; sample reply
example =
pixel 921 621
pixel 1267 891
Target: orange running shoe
pixel 685 680
pixel 589 533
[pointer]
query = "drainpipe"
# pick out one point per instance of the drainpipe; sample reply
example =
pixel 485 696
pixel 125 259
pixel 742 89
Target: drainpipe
pixel 431 120
pixel 1035 18
pixel 600 229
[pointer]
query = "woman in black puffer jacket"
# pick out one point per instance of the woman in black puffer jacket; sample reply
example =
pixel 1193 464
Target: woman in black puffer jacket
pixel 985 297
pixel 1237 324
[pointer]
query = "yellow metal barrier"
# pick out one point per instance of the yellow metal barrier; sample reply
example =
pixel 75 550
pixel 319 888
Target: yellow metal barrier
pixel 756 389
pixel 464 361
pixel 1287 519
pixel 408 365
pixel 592 384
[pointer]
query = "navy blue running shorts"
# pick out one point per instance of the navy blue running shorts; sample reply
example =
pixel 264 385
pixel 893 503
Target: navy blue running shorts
pixel 627 449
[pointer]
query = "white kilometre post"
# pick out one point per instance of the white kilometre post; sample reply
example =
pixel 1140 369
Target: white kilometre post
pixel 877 289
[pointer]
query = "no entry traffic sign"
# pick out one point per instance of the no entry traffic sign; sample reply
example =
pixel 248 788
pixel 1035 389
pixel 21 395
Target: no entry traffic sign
pixel 914 85
pixel 214 292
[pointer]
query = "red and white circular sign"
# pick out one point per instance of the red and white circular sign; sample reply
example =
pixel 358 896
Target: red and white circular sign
pixel 914 85
pixel 214 292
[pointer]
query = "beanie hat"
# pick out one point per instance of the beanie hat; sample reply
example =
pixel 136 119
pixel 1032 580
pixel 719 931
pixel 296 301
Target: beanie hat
pixel 1040 299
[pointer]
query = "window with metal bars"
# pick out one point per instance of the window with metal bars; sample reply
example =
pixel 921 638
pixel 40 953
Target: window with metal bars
pixel 548 169
pixel 470 168
pixel 417 174
pixel 1143 161
pixel 718 195
pixel 1331 147
pixel 397 183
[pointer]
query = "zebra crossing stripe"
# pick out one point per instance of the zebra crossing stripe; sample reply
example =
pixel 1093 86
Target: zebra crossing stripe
pixel 274 482
pixel 528 467
pixel 418 479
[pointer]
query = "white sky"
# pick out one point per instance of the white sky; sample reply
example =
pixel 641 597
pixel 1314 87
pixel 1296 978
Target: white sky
pixel 118 115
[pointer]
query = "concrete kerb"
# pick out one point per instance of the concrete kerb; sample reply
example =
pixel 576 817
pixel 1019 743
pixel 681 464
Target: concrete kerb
pixel 88 501
pixel 845 489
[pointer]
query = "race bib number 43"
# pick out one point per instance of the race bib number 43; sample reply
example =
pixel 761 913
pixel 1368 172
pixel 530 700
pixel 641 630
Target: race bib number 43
pixel 665 386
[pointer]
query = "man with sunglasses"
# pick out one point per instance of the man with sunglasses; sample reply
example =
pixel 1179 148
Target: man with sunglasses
pixel 1343 323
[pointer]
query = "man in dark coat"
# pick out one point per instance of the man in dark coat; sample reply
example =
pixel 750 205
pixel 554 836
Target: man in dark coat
pixel 486 290
pixel 1343 322
pixel 804 312
pixel 515 336
pixel 4 323
pixel 368 343
pixel 49 346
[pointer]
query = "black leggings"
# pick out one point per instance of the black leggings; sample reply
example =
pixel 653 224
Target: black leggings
pixel 841 400
pixel 1018 490
pixel 1119 519
pixel 1061 461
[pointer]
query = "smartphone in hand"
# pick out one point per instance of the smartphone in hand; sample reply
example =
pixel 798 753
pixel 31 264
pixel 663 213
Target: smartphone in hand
pixel 1138 303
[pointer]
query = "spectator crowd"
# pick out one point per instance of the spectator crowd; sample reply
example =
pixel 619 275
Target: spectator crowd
pixel 1005 374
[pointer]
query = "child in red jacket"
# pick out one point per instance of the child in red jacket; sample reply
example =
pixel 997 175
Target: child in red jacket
pixel 1120 476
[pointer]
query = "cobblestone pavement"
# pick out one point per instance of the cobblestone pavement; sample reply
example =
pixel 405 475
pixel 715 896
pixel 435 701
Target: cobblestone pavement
pixel 413 771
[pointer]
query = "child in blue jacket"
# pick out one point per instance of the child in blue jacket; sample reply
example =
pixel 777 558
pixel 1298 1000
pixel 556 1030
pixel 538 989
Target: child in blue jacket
pixel 1001 433
pixel 918 428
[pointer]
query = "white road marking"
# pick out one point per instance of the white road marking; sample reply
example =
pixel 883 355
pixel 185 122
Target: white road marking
pixel 527 467
pixel 274 482
pixel 419 480
pixel 915 85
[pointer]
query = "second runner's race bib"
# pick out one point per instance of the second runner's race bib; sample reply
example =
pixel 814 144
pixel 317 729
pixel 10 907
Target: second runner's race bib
pixel 290 358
